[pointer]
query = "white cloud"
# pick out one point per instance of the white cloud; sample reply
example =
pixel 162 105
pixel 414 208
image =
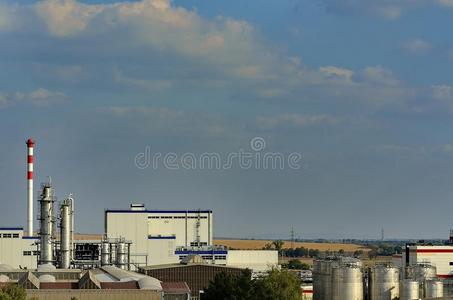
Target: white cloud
pixel 38 97
pixel 336 72
pixel 388 9
pixel 417 46
pixel 153 45
pixel 298 120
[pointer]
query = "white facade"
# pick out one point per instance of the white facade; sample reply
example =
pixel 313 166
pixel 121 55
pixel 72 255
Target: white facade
pixel 155 235
pixel 256 260
pixel 17 250
pixel 439 256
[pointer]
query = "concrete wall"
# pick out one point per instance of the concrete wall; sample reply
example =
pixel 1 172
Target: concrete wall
pixel 94 294
pixel 12 249
pixel 162 251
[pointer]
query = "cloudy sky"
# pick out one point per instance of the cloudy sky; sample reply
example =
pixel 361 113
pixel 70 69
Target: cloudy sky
pixel 361 89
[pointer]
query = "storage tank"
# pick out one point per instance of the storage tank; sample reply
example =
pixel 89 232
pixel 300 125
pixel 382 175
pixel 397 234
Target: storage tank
pixel 434 289
pixel 351 282
pixel 322 271
pixel 105 253
pixel 410 290
pixel 316 279
pixel 384 282
pixel 121 254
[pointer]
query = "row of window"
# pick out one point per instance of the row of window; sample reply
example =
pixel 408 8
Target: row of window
pixel 30 253
pixel 177 217
pixel 208 257
pixel 196 244
pixel 9 235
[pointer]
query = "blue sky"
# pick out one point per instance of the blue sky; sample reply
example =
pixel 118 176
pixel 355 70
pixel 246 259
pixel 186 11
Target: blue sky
pixel 363 90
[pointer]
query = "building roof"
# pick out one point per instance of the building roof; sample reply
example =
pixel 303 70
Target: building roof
pixel 170 266
pixel 158 211
pixel 175 288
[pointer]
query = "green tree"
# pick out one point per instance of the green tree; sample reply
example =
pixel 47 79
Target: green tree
pixel 277 285
pixel 295 264
pixel 230 287
pixel 278 245
pixel 13 292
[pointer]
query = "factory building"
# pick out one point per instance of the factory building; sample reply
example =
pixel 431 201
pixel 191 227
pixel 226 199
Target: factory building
pixel 441 257
pixel 17 249
pixel 162 237
pixel 157 234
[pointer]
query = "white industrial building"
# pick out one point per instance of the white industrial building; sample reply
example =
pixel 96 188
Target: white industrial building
pixel 16 249
pixel 441 257
pixel 169 236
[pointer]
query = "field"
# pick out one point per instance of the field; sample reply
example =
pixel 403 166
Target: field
pixel 259 244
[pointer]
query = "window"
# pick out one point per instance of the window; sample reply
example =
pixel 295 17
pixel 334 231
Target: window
pixel 27 253
pixel 15 235
pixel 7 235
pixel 35 253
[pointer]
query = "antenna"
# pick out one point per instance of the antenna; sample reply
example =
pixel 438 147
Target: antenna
pixel 292 237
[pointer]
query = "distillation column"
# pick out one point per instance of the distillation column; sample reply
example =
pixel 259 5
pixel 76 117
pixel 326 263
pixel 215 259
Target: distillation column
pixel 46 224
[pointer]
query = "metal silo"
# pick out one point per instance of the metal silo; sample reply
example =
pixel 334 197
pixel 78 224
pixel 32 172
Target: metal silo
pixel 121 254
pixel 105 253
pixel 317 288
pixel 336 282
pixel 410 290
pixel 384 282
pixel 322 271
pixel 434 289
pixel 351 282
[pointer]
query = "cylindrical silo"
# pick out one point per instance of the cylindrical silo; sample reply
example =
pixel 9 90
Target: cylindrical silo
pixel 322 281
pixel 410 290
pixel 434 289
pixel 105 253
pixel 384 282
pixel 351 282
pixel 121 254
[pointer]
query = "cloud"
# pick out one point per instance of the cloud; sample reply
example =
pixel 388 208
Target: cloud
pixel 417 46
pixel 155 46
pixel 38 97
pixel 298 120
pixel 336 72
pixel 387 9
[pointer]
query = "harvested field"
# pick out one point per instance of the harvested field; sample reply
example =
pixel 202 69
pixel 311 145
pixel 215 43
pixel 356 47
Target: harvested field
pixel 259 244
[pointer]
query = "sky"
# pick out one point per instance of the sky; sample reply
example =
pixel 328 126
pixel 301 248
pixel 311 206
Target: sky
pixel 360 90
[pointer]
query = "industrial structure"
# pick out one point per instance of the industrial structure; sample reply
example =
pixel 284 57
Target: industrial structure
pixel 133 239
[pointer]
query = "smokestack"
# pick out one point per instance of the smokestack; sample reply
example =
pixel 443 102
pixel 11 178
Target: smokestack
pixel 30 144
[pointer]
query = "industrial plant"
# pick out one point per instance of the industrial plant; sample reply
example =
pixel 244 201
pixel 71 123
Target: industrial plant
pixel 170 254
pixel 135 242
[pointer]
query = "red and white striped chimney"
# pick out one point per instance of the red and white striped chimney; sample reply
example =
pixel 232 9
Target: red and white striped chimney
pixel 30 144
